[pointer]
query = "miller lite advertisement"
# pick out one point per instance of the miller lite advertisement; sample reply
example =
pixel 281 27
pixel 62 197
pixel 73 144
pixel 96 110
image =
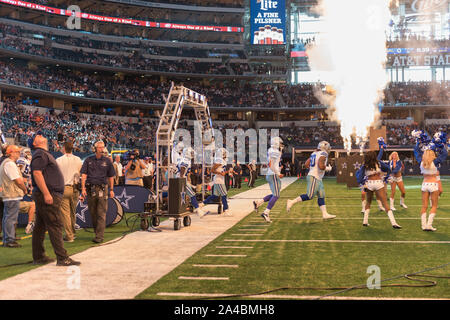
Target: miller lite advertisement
pixel 267 22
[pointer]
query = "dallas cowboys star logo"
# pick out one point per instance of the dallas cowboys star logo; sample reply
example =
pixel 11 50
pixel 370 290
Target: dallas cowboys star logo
pixel 411 170
pixel 357 165
pixel 82 214
pixel 344 165
pixel 126 197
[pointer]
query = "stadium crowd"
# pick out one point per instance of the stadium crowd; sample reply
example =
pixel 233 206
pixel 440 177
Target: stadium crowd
pixel 85 129
pixel 128 60
pixel 220 94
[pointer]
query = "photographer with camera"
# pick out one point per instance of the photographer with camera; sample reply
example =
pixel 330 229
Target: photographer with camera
pixel 70 166
pixel 134 169
pixel 97 173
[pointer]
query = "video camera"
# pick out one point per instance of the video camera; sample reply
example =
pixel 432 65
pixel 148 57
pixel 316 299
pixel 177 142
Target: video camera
pixel 131 155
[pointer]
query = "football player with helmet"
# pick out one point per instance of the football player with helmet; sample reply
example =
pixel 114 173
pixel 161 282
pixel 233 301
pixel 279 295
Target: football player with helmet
pixel 183 170
pixel 219 188
pixel 273 177
pixel 317 164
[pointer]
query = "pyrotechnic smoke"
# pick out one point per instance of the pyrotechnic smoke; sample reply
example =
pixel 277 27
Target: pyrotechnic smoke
pixel 352 48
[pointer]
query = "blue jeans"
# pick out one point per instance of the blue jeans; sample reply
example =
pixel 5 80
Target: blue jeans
pixel 10 215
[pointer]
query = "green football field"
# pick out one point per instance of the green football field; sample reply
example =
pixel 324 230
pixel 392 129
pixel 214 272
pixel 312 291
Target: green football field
pixel 301 253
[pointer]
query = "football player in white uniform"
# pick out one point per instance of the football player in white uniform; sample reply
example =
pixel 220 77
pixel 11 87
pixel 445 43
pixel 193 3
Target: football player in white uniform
pixel 24 164
pixel 27 206
pixel 219 188
pixel 317 164
pixel 184 167
pixel 177 153
pixel 273 177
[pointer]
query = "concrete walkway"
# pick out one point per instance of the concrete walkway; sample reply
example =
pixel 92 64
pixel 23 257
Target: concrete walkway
pixel 124 269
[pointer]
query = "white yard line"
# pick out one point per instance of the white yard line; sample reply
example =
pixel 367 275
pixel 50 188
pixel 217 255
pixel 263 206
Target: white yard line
pixel 340 241
pixel 227 255
pixel 216 265
pixel 204 278
pixel 351 218
pixel 233 247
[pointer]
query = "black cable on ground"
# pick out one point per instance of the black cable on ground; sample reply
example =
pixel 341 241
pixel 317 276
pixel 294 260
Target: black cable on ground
pixel 409 276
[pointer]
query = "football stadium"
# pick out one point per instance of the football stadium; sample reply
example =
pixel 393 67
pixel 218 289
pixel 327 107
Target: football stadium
pixel 223 150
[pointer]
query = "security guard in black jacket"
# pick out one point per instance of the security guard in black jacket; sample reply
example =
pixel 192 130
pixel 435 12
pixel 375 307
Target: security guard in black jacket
pixel 97 173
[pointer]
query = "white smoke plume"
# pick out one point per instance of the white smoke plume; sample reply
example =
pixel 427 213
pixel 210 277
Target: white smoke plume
pixel 352 49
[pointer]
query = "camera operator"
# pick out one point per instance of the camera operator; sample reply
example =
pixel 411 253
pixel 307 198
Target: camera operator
pixel 97 173
pixel 134 170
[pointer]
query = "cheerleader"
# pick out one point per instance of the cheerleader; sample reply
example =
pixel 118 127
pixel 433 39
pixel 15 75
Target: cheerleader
pixel 369 176
pixel 430 185
pixel 439 140
pixel 395 179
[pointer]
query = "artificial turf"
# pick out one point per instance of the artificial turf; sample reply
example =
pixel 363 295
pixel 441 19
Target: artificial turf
pixel 271 265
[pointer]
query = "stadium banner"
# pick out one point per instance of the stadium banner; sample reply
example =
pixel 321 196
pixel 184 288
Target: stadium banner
pixel 341 170
pixel 267 22
pixel 354 162
pixel 128 21
pixel 132 198
pixel 127 199
pixel 114 213
pixel 434 60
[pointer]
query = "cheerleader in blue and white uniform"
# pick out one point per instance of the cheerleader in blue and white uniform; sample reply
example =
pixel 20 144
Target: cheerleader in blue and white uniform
pixel 429 164
pixel 370 178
